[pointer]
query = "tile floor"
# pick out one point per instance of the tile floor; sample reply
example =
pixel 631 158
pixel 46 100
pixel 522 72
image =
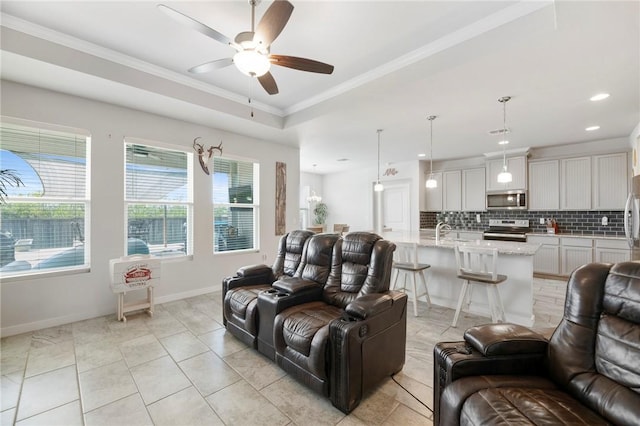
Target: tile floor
pixel 181 368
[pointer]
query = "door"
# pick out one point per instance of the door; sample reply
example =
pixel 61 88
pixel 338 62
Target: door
pixel 396 206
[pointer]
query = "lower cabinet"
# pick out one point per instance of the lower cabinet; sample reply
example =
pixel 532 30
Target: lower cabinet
pixel 562 255
pixel 547 258
pixel 611 251
pixel 575 252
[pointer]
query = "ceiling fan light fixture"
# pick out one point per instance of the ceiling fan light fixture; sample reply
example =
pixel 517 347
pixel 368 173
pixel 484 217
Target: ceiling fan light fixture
pixel 252 63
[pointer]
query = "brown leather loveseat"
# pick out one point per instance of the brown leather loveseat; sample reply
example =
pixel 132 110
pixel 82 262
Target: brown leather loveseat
pixel 334 324
pixel 588 373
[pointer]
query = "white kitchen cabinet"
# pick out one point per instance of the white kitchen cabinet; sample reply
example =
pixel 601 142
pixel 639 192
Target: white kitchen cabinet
pixel 610 181
pixel 611 251
pixel 575 183
pixel 452 190
pixel 547 258
pixel 544 185
pixel 473 189
pixel 575 252
pixel 517 166
pixel 433 197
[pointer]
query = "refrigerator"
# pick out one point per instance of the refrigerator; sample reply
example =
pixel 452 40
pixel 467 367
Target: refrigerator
pixel 632 218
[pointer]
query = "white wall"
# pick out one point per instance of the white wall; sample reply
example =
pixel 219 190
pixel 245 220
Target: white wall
pixel 35 303
pixel 349 195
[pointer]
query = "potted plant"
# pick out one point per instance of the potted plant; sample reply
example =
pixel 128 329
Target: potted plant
pixel 320 212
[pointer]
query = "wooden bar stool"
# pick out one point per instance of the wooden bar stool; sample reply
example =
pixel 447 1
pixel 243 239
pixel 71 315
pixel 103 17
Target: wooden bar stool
pixel 407 263
pixel 478 265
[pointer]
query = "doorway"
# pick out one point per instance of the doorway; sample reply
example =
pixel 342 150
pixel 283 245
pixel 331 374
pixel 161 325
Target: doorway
pixel 396 206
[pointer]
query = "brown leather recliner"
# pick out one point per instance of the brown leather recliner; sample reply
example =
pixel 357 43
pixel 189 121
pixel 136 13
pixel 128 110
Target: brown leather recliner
pixel 587 373
pixel 354 334
pixel 240 292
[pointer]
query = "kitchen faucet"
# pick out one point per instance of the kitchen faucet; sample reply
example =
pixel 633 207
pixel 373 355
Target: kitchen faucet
pixel 442 227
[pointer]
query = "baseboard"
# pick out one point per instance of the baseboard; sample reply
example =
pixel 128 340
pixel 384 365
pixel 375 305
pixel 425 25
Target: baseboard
pixel 66 319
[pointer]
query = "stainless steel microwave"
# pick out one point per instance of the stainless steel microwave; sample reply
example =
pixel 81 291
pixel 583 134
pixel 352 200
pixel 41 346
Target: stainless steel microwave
pixel 507 200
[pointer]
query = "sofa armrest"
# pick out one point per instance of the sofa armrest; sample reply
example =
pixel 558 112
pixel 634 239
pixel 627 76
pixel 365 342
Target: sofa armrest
pixel 368 305
pixel 254 270
pixel 295 285
pixel 455 360
pixel 505 339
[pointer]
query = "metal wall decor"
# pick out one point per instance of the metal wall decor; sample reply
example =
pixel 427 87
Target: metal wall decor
pixel 204 156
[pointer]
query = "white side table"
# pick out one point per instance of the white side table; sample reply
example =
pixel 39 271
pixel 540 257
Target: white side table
pixel 123 308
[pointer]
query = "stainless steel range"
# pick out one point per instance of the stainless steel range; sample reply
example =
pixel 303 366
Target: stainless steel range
pixel 507 230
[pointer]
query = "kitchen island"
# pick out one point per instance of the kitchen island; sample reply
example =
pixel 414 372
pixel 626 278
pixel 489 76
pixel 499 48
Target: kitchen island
pixel 515 260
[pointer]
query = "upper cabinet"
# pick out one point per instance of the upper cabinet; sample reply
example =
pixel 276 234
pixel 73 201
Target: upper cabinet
pixel 517 166
pixel 473 189
pixel 433 198
pixel 452 190
pixel 575 183
pixel 544 185
pixel 610 180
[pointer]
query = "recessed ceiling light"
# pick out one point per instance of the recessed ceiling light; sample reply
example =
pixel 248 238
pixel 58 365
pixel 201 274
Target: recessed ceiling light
pixel 422 155
pixel 592 128
pixel 505 142
pixel 342 159
pixel 599 97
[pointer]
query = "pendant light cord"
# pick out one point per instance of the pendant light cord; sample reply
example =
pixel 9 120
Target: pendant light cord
pixel 504 101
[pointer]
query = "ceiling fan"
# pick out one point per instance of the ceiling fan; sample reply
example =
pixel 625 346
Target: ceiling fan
pixel 253 56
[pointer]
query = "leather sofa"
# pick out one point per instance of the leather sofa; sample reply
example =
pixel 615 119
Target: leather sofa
pixel 588 372
pixel 334 325
pixel 240 292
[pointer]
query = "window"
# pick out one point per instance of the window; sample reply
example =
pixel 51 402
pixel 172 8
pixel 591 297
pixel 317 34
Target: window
pixel 235 204
pixel 44 221
pixel 159 200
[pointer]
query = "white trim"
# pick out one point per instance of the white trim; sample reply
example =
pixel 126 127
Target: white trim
pixel 56 37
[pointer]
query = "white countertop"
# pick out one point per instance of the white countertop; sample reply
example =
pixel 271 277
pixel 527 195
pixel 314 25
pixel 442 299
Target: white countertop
pixel 426 239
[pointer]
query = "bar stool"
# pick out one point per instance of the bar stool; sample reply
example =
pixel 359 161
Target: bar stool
pixel 478 265
pixel 407 263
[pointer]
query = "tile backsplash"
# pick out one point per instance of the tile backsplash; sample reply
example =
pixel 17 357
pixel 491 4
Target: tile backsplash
pixel 569 222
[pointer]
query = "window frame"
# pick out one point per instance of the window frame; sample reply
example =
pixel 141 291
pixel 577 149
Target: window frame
pixel 255 206
pixel 84 200
pixel 189 204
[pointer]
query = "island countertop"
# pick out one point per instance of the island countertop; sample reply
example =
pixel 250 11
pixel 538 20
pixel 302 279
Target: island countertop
pixel 427 239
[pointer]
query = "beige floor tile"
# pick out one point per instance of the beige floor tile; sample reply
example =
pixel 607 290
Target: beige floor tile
pixel 129 411
pixel 412 389
pixel 10 391
pixel 183 345
pixel 208 372
pixel 404 416
pixel 141 350
pixel 186 407
pixel 46 391
pixel 159 378
pixel 133 328
pixel 7 417
pixel 91 330
pixel 103 385
pixel 375 408
pixel 66 415
pixel 222 342
pixel 301 405
pixel 52 336
pixel 97 353
pixel 163 324
pixel 256 369
pixel 240 403
pixel 13 362
pixel 50 357
pixel 198 322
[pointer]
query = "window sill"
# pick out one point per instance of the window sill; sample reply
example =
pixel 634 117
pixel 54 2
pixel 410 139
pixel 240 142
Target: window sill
pixel 31 275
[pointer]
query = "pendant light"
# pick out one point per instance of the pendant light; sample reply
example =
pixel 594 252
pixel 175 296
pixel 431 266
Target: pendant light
pixel 378 187
pixel 314 198
pixel 431 182
pixel 504 176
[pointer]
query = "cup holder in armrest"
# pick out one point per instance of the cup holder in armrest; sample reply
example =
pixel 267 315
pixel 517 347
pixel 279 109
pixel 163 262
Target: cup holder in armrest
pixel 271 291
pixel 281 294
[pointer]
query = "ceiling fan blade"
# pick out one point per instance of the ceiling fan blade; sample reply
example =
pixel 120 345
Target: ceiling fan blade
pixel 198 26
pixel 210 66
pixel 273 22
pixel 268 83
pixel 301 64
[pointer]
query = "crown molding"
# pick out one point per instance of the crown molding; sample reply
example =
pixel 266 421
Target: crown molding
pixel 84 46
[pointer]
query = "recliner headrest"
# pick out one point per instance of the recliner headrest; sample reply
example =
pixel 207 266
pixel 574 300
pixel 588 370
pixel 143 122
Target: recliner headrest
pixel 622 291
